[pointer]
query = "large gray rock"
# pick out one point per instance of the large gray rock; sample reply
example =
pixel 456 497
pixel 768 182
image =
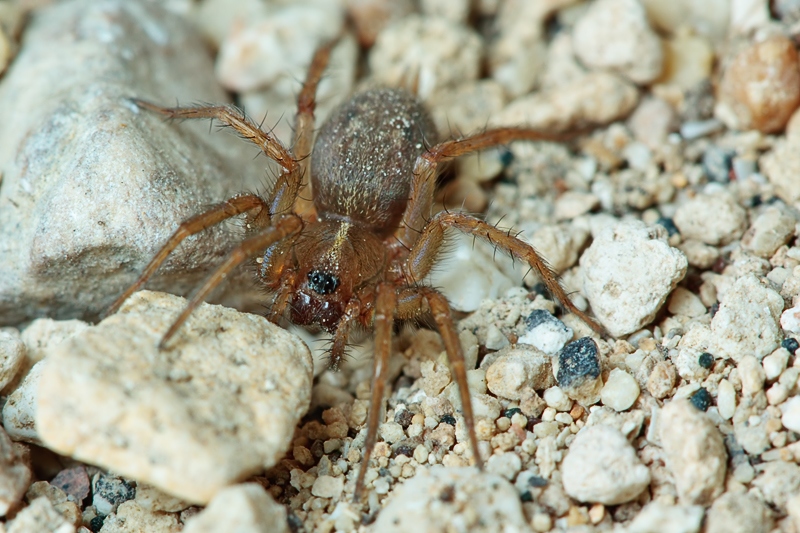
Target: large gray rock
pixel 92 186
pixel 219 404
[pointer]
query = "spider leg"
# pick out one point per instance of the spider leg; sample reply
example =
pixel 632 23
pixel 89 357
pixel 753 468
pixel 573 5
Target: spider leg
pixel 423 255
pixel 352 313
pixel 223 211
pixel 383 322
pixel 423 184
pixel 285 227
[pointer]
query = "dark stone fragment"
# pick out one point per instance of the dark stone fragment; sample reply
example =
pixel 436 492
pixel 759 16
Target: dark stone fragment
pixel 701 399
pixel 577 362
pixel 506 158
pixel 404 449
pixel 669 225
pixel 403 418
pixel 526 496
pixel 295 524
pixel 706 360
pixel 73 481
pixel 114 490
pixel 537 482
pixel 790 344
pixel 511 412
pixel 717 163
pixel 96 523
pixel 713 309
pixel 448 419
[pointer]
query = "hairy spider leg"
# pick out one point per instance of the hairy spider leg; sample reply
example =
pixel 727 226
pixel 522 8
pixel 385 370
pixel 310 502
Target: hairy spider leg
pixel 425 237
pixel 383 321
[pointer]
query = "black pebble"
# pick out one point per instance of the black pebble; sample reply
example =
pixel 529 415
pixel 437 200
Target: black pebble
pixel 403 418
pixel 790 344
pixel 113 489
pixel 448 419
pixel 537 482
pixel 578 361
pixel 506 158
pixel 96 523
pixel 526 496
pixel 717 163
pixel 706 360
pixel 701 399
pixel 668 225
pixel 511 412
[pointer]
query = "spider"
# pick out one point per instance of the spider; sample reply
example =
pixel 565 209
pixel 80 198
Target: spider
pixel 362 257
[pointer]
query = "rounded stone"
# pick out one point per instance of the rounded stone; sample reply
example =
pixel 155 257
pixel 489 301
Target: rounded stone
pixel 620 391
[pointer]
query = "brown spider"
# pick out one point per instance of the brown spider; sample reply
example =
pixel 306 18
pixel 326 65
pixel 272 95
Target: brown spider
pixel 362 256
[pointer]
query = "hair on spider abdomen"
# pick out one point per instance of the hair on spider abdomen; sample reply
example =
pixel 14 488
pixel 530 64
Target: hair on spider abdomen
pixel 361 257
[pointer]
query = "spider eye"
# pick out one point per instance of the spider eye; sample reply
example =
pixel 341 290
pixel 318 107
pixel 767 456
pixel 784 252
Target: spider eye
pixel 322 282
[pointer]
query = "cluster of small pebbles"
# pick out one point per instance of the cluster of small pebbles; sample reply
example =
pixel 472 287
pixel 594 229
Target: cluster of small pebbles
pixel 673 218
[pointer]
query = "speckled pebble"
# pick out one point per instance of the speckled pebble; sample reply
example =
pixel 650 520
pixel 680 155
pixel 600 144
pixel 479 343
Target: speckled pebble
pixel 602 466
pixel 620 390
pixel 747 320
pixel 738 513
pixel 245 508
pixel 629 270
pixel 657 517
pixel 434 52
pixel 761 87
pixel 483 502
pixel 545 332
pixel 661 380
pixel 109 491
pixel 771 229
pixel 711 218
pixel 517 370
pixel 615 35
pixel 694 451
pixel 243 408
pixel 578 372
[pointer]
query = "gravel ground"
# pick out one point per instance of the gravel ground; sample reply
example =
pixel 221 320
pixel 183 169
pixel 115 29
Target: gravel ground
pixel 672 218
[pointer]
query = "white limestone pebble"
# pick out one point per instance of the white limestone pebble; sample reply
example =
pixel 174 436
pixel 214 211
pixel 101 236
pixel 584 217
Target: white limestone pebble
pixel 481 503
pixel 12 355
pixel 19 411
pixel 695 452
pixel 684 302
pixel 781 165
pixel 620 390
pixel 770 230
pixel 615 35
pixel 115 181
pixel 245 508
pixel 711 218
pixel 628 272
pixel 657 517
pixel 790 319
pixel 434 52
pixel 595 98
pixel 219 404
pixel 15 473
pixel 751 373
pixel 328 487
pixel 602 467
pixel 152 499
pixel 747 320
pixel 556 398
pixel 738 513
pixel 791 414
pixel 39 515
pixel 518 370
pixel 130 517
pixel 775 363
pixel 726 399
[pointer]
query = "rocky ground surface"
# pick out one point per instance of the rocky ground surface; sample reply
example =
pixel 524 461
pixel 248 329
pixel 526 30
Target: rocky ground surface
pixel 673 219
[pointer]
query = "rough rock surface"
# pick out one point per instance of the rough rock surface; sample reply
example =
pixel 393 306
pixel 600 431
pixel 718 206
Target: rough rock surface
pixel 486 503
pixel 15 473
pixel 629 270
pixel 602 467
pixel 91 183
pixel 245 508
pixel 218 404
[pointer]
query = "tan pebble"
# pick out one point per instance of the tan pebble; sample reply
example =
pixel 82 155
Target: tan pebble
pixel 596 513
pixel 761 88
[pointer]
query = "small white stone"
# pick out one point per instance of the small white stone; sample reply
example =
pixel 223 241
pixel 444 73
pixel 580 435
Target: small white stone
pixel 506 464
pixel 620 390
pixel 628 272
pixel 777 394
pixel 775 363
pixel 738 513
pixel 19 411
pixel 39 515
pixel 328 487
pixel 470 508
pixel 770 230
pixel 615 34
pixel 726 399
pixel 555 398
pixel 752 375
pixel 695 452
pixel 684 302
pixel 602 467
pixel 657 517
pixel 12 355
pixel 392 432
pixel 747 320
pixel 434 52
pixel 790 320
pixel 518 370
pixel 549 336
pixel 711 218
pixel 245 508
pixel 791 414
